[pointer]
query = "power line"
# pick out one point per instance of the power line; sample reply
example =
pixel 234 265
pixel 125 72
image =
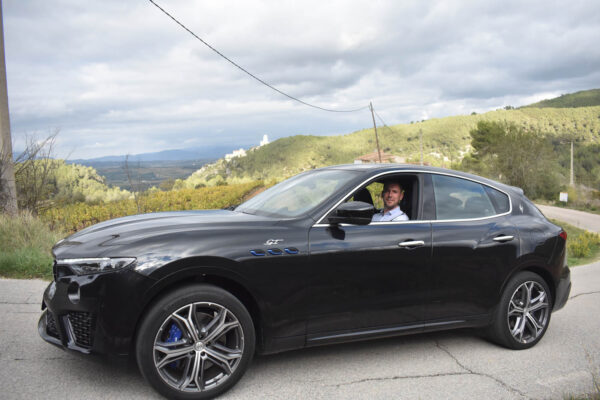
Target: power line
pixel 246 71
pixel 383 122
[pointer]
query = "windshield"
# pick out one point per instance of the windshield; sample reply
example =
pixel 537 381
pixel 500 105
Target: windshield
pixel 298 195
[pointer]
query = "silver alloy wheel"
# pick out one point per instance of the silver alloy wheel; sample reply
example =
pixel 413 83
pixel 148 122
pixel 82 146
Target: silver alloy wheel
pixel 204 352
pixel 528 312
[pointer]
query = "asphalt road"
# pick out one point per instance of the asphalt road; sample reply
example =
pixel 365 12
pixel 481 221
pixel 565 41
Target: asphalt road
pixel 449 365
pixel 580 219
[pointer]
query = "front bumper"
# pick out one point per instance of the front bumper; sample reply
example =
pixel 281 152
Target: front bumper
pixel 563 289
pixel 74 339
pixel 93 313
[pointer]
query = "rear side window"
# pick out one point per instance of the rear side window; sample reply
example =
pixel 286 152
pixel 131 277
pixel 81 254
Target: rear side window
pixel 457 198
pixel 500 200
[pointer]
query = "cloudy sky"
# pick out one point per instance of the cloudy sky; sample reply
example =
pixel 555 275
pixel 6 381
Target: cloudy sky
pixel 120 77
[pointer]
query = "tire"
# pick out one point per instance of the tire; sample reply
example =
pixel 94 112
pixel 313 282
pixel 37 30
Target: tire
pixel 195 342
pixel 523 314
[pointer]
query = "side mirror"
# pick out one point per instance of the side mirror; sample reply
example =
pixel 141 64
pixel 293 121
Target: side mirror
pixel 353 212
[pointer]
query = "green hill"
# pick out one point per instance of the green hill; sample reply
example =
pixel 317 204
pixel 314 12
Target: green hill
pixel 585 98
pixel 445 140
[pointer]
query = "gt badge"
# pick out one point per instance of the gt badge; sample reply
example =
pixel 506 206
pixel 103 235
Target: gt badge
pixel 272 242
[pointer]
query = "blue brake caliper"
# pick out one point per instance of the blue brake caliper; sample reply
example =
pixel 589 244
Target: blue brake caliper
pixel 174 336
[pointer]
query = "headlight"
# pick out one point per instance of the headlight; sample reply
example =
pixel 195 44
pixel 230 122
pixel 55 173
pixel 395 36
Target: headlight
pixel 84 266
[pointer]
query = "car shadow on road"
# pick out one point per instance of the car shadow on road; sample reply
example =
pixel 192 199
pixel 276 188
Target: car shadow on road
pixel 371 346
pixel 299 367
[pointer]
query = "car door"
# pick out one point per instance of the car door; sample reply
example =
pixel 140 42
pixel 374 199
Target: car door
pixel 368 278
pixel 474 244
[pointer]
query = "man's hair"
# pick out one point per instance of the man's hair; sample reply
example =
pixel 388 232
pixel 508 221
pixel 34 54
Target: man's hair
pixel 392 182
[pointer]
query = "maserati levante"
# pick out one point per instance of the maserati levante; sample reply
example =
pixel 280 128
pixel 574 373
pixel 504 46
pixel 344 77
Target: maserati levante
pixel 193 295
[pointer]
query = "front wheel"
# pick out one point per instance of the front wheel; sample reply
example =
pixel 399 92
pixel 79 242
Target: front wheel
pixel 195 343
pixel 523 315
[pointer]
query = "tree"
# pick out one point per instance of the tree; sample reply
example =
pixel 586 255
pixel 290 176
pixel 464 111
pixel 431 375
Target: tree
pixel 34 173
pixel 518 157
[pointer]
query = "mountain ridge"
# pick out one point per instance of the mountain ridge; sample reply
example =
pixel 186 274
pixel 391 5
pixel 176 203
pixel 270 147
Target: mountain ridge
pixel 444 140
pixel 197 153
pixel 583 98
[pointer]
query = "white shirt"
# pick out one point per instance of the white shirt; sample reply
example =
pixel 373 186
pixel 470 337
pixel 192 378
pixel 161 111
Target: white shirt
pixel 395 214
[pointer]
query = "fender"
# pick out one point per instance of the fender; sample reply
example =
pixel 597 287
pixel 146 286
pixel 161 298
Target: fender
pixel 194 267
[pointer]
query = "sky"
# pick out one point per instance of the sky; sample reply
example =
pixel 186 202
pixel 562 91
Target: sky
pixel 120 77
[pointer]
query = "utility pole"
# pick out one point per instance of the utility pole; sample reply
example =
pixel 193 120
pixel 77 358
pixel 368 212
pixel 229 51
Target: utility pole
pixel 375 127
pixel 421 143
pixel 572 180
pixel 7 169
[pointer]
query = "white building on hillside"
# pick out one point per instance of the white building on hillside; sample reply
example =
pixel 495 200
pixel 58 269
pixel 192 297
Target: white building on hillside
pixel 236 153
pixel 242 153
pixel 265 140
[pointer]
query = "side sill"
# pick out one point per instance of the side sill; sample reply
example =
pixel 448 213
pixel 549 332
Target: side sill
pixel 315 340
pixel 280 344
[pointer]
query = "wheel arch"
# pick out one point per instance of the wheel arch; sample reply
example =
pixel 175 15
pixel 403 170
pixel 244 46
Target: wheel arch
pixel 208 275
pixel 546 276
pixel 538 270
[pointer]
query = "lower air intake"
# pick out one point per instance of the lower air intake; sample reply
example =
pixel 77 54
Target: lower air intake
pixel 82 328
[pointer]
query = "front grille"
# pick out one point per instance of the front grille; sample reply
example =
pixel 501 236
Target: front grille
pixel 51 328
pixel 82 324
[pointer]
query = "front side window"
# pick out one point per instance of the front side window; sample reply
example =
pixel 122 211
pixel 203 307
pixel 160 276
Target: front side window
pixel 457 198
pixel 407 201
pixel 298 195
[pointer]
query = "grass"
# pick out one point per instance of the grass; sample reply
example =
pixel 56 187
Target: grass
pixel 25 244
pixel 576 236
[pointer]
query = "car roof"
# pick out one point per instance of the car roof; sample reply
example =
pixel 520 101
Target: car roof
pixel 375 168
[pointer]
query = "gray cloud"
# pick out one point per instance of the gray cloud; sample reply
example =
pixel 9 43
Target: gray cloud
pixel 120 77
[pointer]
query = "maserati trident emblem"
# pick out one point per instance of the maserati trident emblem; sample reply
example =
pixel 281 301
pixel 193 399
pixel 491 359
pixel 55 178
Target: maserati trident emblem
pixel 272 242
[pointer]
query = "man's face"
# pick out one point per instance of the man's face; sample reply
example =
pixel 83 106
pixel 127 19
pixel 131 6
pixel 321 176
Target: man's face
pixel 391 195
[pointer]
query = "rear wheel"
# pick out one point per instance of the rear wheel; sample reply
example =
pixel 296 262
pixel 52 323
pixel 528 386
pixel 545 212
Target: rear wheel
pixel 195 343
pixel 523 315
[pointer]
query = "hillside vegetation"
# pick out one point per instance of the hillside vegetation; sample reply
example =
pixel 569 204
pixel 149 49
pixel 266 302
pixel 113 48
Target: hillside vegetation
pixel 585 98
pixel 45 183
pixel 445 141
pixel 76 216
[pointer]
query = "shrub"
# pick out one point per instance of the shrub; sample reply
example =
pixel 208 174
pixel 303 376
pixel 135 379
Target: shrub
pixel 581 245
pixel 73 217
pixel 25 244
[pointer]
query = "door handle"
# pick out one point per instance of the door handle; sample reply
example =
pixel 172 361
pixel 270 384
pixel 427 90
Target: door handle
pixel 411 243
pixel 503 239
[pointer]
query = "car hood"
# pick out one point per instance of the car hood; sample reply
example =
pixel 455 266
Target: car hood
pixel 142 228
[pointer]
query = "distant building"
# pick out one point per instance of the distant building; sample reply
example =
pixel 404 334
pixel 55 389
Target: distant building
pixel 236 153
pixel 265 140
pixel 374 158
pixel 242 153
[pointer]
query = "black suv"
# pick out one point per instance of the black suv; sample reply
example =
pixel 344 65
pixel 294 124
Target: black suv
pixel 193 295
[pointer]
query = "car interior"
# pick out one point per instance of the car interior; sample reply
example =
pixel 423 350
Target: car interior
pixel 462 205
pixel 371 194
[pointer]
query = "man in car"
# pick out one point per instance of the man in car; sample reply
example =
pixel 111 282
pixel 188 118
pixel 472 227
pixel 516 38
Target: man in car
pixel 392 194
